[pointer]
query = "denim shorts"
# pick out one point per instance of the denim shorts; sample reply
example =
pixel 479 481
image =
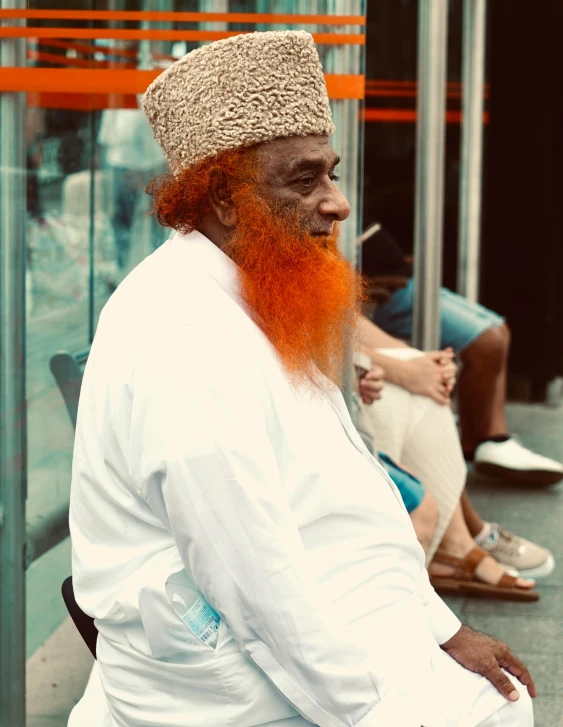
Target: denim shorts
pixel 461 321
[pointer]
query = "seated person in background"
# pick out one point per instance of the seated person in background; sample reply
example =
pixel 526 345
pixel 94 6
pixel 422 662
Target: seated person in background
pixel 481 339
pixel 417 431
pixel 413 428
pixel 246 559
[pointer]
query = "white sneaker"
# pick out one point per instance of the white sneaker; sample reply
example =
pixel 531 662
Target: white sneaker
pixel 518 555
pixel 510 460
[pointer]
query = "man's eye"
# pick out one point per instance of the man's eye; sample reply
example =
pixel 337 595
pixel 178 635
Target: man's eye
pixel 334 177
pixel 307 181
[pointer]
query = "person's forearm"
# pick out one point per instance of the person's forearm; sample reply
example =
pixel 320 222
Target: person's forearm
pixel 395 370
pixel 371 336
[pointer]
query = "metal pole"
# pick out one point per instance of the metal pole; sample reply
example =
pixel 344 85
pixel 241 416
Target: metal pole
pixel 429 192
pixel 473 72
pixel 348 142
pixel 12 388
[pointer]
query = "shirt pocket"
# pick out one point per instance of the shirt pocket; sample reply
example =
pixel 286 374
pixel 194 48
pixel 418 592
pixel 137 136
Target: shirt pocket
pixel 169 638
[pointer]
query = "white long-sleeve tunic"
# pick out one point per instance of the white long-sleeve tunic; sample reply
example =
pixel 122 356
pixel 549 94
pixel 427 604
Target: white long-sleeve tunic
pixel 197 463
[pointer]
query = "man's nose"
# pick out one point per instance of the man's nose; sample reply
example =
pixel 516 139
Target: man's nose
pixel 335 205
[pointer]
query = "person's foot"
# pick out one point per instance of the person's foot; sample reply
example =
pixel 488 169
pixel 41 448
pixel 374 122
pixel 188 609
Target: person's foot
pixel 510 460
pixel 488 571
pixel 517 554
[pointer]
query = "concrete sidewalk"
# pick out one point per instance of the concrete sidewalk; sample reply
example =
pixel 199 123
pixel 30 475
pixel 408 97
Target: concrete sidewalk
pixel 534 631
pixel 58 671
pixel 56 676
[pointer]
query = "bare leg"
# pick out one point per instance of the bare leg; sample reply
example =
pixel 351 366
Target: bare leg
pixel 425 520
pixel 457 541
pixel 473 520
pixel 481 387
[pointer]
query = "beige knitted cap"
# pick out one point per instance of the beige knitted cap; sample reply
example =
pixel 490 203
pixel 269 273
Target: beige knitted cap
pixel 237 92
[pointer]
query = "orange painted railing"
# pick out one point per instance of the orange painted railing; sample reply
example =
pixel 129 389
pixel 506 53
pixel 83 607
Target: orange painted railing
pixel 408 116
pixel 126 81
pixel 186 35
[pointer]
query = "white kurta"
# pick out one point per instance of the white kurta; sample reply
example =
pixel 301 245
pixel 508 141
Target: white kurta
pixel 196 462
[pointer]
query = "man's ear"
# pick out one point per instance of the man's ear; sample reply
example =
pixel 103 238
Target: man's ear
pixel 220 198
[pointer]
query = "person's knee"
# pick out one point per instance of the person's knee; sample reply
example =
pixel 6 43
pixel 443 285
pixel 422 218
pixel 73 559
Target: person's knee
pixel 425 520
pixel 507 333
pixel 490 349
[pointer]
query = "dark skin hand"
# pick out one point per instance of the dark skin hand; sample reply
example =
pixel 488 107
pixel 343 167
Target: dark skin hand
pixel 487 656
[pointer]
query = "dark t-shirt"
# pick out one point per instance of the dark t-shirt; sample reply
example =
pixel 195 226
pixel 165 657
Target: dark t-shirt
pixel 381 255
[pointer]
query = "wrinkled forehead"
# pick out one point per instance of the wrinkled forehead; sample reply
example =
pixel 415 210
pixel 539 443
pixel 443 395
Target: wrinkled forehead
pixel 295 154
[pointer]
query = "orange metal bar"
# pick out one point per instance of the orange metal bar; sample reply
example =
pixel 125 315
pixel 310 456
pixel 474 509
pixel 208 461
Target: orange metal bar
pixel 408 116
pixel 184 17
pixel 92 33
pixel 82 101
pixel 399 93
pixel 389 115
pixel 76 80
pixel 71 62
pixel 401 84
pixel 89 48
pixel 453 91
pixel 128 81
pixel 390 92
pixel 372 83
pixel 345 86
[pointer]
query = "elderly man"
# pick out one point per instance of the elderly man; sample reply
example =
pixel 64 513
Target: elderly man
pixel 248 563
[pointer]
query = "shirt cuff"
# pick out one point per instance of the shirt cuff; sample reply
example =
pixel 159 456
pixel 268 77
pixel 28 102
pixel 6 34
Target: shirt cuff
pixel 442 620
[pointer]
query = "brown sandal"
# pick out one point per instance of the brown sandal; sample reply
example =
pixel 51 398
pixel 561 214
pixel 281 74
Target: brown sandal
pixel 462 581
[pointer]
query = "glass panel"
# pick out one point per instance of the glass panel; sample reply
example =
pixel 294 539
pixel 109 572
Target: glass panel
pixel 127 159
pixel 58 300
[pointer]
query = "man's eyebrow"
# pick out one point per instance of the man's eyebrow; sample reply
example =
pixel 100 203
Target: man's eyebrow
pixel 316 164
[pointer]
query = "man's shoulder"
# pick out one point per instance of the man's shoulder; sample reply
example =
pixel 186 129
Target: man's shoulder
pixel 165 287
pixel 170 317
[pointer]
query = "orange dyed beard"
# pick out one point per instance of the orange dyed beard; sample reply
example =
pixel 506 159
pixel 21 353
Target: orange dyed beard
pixel 297 286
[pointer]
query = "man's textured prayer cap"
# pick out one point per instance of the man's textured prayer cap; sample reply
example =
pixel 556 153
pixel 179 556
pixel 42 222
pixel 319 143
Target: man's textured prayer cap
pixel 238 92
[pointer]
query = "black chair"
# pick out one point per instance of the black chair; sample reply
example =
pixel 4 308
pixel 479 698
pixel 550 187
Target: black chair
pixel 84 623
pixel 67 371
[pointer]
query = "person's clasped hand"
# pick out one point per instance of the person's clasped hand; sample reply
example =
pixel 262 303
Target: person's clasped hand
pixel 371 384
pixel 488 656
pixel 432 375
pixel 445 359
